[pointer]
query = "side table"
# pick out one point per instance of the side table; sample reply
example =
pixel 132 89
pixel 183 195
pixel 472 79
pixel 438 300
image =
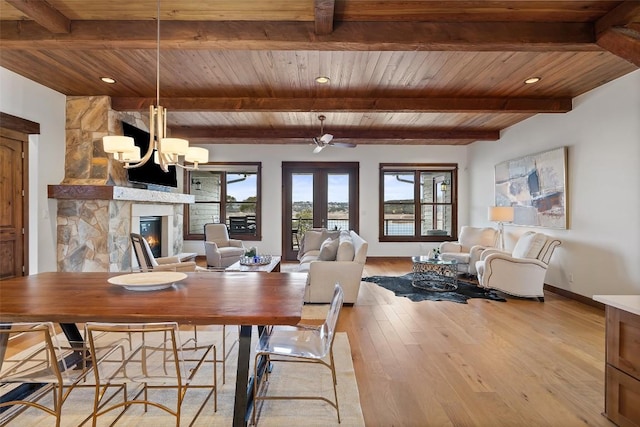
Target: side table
pixel 434 274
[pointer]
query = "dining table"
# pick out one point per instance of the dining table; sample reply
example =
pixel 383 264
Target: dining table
pixel 200 298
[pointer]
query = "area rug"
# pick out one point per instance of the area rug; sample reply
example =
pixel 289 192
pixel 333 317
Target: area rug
pixel 292 377
pixel 401 286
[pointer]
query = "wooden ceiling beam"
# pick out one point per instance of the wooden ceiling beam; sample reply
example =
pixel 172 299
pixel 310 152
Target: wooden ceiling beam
pixel 363 36
pixel 619 31
pixel 323 13
pixel 45 15
pixel 409 105
pixel 622 42
pixel 626 13
pixel 305 134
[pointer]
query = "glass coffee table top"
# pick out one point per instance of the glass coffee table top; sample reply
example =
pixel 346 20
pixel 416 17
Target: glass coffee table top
pixel 434 274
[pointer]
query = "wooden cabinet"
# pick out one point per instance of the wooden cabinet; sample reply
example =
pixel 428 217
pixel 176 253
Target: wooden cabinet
pixel 622 381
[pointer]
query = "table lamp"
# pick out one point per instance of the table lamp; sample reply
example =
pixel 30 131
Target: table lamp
pixel 501 214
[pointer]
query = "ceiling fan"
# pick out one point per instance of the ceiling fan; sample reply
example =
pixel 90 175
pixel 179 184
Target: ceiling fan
pixel 326 139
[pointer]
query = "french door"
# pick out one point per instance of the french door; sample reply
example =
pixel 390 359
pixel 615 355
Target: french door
pixel 317 194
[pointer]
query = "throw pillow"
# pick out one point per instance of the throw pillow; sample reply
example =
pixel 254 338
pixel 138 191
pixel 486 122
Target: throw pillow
pixel 328 250
pixel 529 245
pixel 330 234
pixel 312 240
pixel 346 251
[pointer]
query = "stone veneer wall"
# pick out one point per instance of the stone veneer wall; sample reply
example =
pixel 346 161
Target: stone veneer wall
pixel 93 234
pixel 89 118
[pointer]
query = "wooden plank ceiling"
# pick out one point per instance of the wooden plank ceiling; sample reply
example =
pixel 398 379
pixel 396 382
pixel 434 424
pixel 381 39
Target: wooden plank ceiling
pixel 401 72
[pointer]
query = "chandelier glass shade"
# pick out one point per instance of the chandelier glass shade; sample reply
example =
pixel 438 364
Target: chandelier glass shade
pixel 165 151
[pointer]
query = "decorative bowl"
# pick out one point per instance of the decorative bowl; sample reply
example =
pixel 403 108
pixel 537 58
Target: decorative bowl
pixel 255 260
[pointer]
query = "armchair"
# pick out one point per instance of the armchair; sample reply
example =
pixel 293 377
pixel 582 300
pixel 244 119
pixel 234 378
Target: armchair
pixel 467 250
pixel 220 250
pixel 148 262
pixel 521 272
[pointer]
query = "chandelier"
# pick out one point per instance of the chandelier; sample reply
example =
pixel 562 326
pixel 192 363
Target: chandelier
pixel 165 151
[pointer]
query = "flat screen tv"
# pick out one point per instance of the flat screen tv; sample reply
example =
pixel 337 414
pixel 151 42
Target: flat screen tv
pixel 149 174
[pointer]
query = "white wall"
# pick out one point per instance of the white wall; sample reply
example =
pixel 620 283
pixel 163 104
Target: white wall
pixel 369 158
pixel 600 250
pixel 28 100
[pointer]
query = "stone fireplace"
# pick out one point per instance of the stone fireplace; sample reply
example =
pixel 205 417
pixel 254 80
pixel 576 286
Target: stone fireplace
pixel 97 207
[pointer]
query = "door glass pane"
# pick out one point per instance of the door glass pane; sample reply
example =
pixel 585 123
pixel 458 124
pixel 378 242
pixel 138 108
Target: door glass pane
pixel 301 203
pixel 338 201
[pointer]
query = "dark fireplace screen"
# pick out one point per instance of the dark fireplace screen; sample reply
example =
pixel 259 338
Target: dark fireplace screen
pixel 151 231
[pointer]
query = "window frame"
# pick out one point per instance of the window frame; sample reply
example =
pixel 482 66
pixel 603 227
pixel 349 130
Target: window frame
pixel 225 168
pixel 416 169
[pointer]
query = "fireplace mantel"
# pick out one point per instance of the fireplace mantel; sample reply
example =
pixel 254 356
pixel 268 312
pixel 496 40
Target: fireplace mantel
pixel 112 192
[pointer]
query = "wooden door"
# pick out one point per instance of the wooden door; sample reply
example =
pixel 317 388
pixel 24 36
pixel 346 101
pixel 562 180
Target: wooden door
pixel 12 208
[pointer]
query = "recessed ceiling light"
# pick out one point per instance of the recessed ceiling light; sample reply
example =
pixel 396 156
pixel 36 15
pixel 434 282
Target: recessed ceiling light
pixel 532 80
pixel 108 80
pixel 323 80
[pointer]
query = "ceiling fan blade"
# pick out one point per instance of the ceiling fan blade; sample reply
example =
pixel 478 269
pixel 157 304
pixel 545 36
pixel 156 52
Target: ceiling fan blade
pixel 318 149
pixel 326 138
pixel 343 144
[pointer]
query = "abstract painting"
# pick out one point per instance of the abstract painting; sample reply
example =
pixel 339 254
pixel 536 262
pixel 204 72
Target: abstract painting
pixel 535 186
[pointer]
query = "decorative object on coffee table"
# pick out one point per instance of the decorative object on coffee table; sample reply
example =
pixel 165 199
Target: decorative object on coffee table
pixel 266 267
pixel 255 260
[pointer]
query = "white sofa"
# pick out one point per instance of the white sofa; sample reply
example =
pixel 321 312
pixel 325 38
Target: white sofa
pixel 331 257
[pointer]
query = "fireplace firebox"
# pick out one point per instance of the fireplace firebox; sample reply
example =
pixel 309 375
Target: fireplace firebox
pixel 151 231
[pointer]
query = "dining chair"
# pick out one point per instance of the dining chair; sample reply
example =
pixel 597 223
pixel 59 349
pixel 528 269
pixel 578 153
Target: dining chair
pixel 298 344
pixel 155 360
pixel 43 364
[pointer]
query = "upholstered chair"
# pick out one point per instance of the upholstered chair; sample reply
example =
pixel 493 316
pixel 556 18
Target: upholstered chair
pixel 471 242
pixel 520 273
pixel 148 262
pixel 221 251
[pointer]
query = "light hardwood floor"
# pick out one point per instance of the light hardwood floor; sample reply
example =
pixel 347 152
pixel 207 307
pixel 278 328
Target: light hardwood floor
pixel 485 363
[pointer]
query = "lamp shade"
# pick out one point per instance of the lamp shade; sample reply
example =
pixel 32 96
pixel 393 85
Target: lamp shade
pixel 117 144
pixel 132 155
pixel 197 155
pixel 174 146
pixel 501 213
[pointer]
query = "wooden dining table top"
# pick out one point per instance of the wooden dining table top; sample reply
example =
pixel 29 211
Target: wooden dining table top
pixel 204 298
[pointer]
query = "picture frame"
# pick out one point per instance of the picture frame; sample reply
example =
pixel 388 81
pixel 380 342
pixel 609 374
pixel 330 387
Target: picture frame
pixel 536 187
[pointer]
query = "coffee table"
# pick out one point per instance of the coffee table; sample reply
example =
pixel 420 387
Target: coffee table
pixel 273 266
pixel 434 274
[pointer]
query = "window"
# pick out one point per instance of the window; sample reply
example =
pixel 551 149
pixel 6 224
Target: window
pixel 227 193
pixel 418 202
